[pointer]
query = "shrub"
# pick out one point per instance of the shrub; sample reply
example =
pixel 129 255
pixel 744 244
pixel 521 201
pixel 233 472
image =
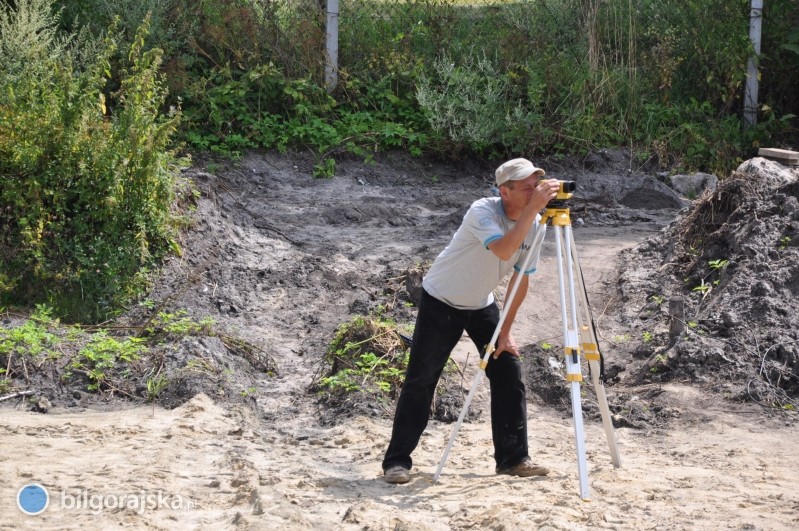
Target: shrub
pixel 88 175
pixel 469 104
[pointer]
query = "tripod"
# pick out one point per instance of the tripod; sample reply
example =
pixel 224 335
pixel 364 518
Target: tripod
pixel 579 336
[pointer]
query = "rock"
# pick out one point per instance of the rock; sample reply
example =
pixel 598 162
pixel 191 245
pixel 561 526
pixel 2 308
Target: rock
pixel 693 185
pixel 41 404
pixel 762 288
pixel 772 174
pixel 730 320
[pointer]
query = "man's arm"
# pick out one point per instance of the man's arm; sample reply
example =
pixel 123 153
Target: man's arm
pixel 505 341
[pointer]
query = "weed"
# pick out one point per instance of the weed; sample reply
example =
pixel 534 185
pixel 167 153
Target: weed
pixel 201 366
pixel 249 392
pixel 178 324
pixel 647 336
pixel 155 386
pixel 24 348
pixel 659 363
pixel 784 242
pixel 102 357
pixel 702 287
pixel 325 168
pixel 717 265
pixel 367 355
pixel 658 299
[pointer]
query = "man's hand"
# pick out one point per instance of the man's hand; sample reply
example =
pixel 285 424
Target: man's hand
pixel 506 343
pixel 544 191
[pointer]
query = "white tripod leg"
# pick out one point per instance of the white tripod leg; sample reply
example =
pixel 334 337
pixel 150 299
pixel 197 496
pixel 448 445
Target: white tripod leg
pixel 572 352
pixel 590 347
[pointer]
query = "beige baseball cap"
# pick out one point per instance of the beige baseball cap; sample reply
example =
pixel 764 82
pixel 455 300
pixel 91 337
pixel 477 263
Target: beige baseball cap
pixel 516 170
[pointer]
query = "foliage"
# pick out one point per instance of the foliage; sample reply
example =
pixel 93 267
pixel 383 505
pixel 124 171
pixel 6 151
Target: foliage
pixel 155 386
pixel 113 360
pixel 664 78
pixel 103 355
pixel 232 110
pixel 366 355
pixel 470 105
pixel 32 342
pixel 88 173
pixel 178 324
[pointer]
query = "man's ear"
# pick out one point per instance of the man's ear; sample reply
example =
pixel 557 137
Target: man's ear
pixel 503 192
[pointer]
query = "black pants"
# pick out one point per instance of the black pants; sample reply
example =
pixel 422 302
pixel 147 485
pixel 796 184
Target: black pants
pixel 439 326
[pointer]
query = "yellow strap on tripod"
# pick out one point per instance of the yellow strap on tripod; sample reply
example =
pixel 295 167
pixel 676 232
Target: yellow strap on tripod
pixel 484 361
pixel 591 351
pixel 574 377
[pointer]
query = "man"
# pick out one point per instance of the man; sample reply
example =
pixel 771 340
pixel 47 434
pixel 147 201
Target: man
pixel 458 296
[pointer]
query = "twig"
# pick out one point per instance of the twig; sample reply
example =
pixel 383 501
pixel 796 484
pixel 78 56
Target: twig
pixel 599 331
pixel 15 395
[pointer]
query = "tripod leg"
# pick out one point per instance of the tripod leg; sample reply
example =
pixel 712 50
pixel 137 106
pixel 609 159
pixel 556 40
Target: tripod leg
pixel 591 351
pixel 572 356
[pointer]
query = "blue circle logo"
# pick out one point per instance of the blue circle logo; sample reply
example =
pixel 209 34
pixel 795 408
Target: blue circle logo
pixel 32 499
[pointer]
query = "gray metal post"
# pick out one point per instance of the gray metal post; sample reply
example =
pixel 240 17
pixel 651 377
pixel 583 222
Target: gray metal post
pixel 750 97
pixel 331 46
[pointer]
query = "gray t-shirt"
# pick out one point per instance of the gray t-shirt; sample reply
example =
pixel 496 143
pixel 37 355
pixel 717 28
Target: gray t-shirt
pixel 466 272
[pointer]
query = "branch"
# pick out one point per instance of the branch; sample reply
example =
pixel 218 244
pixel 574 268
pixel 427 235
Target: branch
pixel 15 395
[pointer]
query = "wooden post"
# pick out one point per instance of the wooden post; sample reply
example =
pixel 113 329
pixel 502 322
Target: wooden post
pixel 752 81
pixel 331 45
pixel 677 318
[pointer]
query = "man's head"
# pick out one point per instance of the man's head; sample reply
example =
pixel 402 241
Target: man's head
pixel 516 170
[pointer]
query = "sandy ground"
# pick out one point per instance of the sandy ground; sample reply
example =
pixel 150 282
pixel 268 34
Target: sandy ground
pixel 218 465
pixel 204 466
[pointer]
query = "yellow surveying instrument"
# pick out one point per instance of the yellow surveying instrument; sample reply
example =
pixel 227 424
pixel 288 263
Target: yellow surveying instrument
pixel 579 335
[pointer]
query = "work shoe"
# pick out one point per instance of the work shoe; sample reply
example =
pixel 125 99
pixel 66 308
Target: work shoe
pixel 397 474
pixel 524 469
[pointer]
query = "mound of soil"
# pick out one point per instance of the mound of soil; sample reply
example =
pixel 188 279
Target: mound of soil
pixel 732 261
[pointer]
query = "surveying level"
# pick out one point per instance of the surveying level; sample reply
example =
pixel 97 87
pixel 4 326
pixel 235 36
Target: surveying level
pixel 565 191
pixel 579 334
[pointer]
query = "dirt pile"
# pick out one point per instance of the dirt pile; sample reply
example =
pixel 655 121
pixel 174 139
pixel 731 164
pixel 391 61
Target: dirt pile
pixel 733 261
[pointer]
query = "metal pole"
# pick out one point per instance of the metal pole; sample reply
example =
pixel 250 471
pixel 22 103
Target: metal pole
pixel 571 351
pixel 331 46
pixel 590 347
pixel 752 81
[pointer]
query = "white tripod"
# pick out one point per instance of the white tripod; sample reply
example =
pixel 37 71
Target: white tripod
pixel 578 337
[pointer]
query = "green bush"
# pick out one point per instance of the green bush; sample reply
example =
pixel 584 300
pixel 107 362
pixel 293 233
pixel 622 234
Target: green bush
pixel 470 105
pixel 88 175
pixel 233 110
pixel 367 356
